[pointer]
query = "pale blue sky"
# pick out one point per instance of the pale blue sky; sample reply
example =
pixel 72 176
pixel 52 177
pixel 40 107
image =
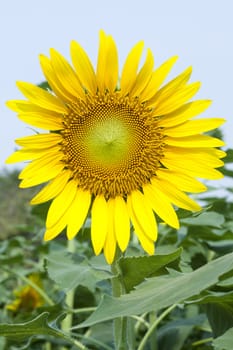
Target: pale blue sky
pixel 200 32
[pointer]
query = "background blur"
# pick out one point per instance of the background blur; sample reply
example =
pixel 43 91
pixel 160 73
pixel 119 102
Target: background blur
pixel 199 32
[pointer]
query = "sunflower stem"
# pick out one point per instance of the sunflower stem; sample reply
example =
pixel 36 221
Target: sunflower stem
pixel 154 325
pixel 120 324
pixel 66 324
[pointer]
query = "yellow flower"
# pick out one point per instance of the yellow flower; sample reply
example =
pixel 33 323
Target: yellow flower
pixel 26 297
pixel 122 148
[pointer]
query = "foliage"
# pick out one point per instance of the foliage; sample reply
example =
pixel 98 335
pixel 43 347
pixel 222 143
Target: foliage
pixel 179 299
pixel 14 206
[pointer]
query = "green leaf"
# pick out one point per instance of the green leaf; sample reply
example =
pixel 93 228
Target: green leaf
pixel 229 156
pixel 69 271
pixel 227 172
pixel 2 343
pixel 219 310
pixel 225 341
pixel 220 316
pixel 44 85
pixel 207 218
pixel 174 333
pixel 40 325
pixel 160 292
pixel 215 297
pixel 146 266
pixel 228 282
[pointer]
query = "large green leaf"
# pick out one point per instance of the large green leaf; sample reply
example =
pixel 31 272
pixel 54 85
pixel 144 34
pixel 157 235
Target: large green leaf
pixel 214 297
pixel 225 341
pixel 159 292
pixel 207 218
pixel 40 325
pixel 69 271
pixel 220 316
pixel 219 310
pixel 175 332
pixel 146 266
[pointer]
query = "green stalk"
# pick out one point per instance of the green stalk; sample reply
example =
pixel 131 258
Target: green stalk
pixel 120 324
pixel 202 341
pixel 66 324
pixel 154 326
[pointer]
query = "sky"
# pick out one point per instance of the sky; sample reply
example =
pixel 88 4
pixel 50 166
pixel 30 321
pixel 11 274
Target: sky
pixel 199 32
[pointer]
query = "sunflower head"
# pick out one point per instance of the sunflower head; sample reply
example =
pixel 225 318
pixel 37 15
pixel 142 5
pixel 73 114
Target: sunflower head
pixel 27 298
pixel 122 148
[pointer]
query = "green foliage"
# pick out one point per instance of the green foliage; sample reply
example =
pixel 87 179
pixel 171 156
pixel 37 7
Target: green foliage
pixel 179 299
pixel 39 325
pixel 70 271
pixel 225 341
pixel 160 292
pixel 14 206
pixel 146 266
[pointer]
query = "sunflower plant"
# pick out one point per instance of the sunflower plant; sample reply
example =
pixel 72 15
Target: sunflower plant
pixel 120 158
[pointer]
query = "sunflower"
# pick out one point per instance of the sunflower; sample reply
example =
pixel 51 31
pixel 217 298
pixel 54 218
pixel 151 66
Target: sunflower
pixel 122 148
pixel 26 297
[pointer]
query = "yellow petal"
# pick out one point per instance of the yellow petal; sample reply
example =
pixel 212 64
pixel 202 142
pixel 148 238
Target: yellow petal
pixel 53 81
pixel 144 75
pixel 42 165
pixel 101 61
pixel 182 181
pixel 99 225
pixel 39 141
pixel 110 247
pixel 174 195
pixel 122 223
pixel 194 127
pixel 22 106
pixel 110 241
pixel 29 154
pixel 194 141
pixel 165 105
pixel 83 67
pixel 66 74
pixel 112 72
pixel 55 230
pixel 146 243
pixel 51 171
pixel 186 112
pixel 205 156
pixel 42 120
pixel 170 88
pixel 143 214
pixel 192 168
pixel 78 212
pixel 157 78
pixel 42 98
pixel 161 205
pixel 107 64
pixel 219 153
pixel 53 188
pixel 61 203
pixel 130 68
pixel 22 155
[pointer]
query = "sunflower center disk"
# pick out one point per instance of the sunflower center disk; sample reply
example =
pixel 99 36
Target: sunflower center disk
pixel 112 146
pixel 108 142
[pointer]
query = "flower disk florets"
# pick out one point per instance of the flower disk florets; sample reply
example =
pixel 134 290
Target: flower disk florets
pixel 111 144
